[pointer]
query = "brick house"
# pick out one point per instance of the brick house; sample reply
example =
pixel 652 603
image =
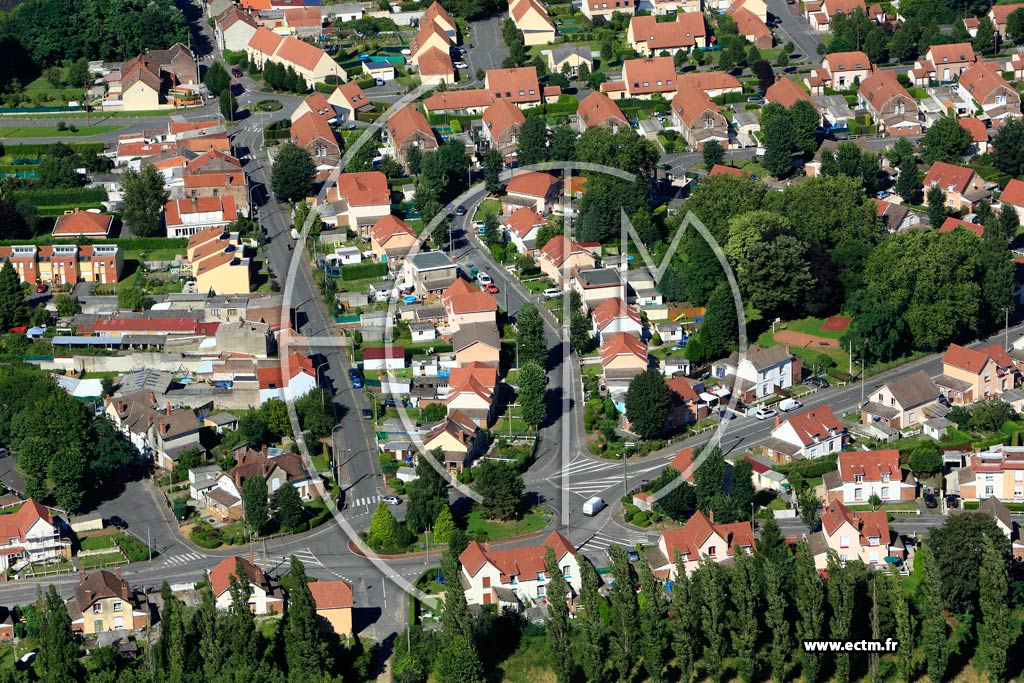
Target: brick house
pixel 859 475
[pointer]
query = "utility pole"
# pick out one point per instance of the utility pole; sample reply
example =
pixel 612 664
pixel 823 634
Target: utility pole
pixel 1006 327
pixel 149 543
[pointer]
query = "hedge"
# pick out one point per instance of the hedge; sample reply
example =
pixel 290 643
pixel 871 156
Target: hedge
pixel 368 116
pixel 324 88
pixel 464 120
pixel 233 58
pixel 360 271
pixel 974 505
pixel 29 149
pixel 74 195
pixel 809 469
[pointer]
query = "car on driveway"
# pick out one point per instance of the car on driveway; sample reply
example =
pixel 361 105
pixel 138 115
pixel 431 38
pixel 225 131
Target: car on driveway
pixel 492 288
pixel 818 382
pixel 765 413
pixel 392 500
pixel 41 288
pixel 552 293
pixel 632 554
pixel 952 502
pixel 930 501
pixel 461 65
pixel 117 523
pixel 755 100
pixel 237 73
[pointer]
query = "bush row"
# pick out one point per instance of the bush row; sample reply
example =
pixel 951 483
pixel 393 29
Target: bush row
pixel 30 149
pixel 55 197
pixel 363 270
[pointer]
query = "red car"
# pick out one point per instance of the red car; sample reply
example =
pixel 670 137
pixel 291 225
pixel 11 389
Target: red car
pixel 492 288
pixel 40 288
pixel 237 73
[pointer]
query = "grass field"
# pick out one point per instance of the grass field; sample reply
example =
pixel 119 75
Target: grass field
pixel 810 326
pixel 53 132
pixel 97 542
pixel 103 560
pixel 477 525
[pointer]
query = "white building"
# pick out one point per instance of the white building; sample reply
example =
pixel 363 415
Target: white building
pixel 759 373
pixel 516 577
pixel 809 434
pixel 30 535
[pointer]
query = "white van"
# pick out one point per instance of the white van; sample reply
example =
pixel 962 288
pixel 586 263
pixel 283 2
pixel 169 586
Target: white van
pixel 789 404
pixel 593 506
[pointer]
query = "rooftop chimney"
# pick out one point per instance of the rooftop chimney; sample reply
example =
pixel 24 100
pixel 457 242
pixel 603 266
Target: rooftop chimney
pixel 778 420
pixel 711 516
pixel 117 571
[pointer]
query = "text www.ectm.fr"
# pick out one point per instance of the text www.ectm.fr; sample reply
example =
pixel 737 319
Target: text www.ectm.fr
pixel 887 645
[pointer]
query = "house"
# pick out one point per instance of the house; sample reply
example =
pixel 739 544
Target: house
pixel 998 14
pixel 700 539
pixel 571 55
pixel 951 224
pixel 266 596
pixel 861 475
pixel 519 86
pixel 436 67
pixel 805 435
pixel 606 8
pixel 458 437
pixel 666 7
pixel 846 69
pixel 997 510
pixel 427 272
pixel 105 602
pixel 408 128
pixel 650 38
pixel 384 358
pixel 759 8
pixel 431 36
pixel 361 199
pixel 820 14
pixel 275 467
pixel 202 480
pixel 994 473
pixel 863 536
pixel 517 577
pixel 598 284
pixel 65 263
pixel 222 268
pixel 533 189
pixel 287 379
pixel 713 83
pixel 895 217
pixel 699 119
pixel 31 536
pixel 613 316
pixel 689 403
pixel 902 404
pixel 641 78
pixel 970 375
pixel 562 257
pixel 982 85
pixel 760 373
pixel 623 357
pixel 86 224
pixel 234 29
pixel 465 304
pixel 312 133
pixel 787 92
pixel 942 64
pixel 348 101
pixel 978 131
pixel 763 475
pixel 477 343
pixel 334 602
pixel 309 61
pixel 158 77
pixel 753 28
pixel 379 70
pixel 159 432
pixel 186 217
pixel 719 169
pixel 472 391
pixel 597 109
pixel 532 19
pixel 391 238
pixel 962 187
pixel 1013 195
pixel 890 105
pixel 463 102
pixel 503 122
pixel 522 227
pixel 216 174
pixel 682 462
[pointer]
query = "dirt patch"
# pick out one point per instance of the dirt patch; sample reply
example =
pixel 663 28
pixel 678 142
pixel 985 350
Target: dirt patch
pixel 837 323
pixel 807 341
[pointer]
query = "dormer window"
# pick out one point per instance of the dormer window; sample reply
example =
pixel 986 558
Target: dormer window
pixel 540 576
pixel 885 477
pixel 858 478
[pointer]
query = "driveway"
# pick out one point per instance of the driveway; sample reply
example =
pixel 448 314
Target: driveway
pixel 489 50
pixel 795 29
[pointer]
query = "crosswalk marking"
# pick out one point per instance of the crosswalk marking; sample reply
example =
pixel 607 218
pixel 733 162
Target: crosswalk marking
pixel 365 500
pixel 305 555
pixel 184 559
pixel 585 478
pixel 602 540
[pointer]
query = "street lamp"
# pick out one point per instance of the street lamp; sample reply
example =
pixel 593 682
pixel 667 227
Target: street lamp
pixel 334 458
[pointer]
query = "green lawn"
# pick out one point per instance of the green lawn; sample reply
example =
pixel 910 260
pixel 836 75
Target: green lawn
pixel 810 326
pixel 321 462
pixel 886 506
pixel 98 542
pixel 54 132
pixel 103 560
pixel 476 526
pixel 487 206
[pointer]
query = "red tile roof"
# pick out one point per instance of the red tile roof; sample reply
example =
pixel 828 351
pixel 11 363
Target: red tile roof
pixel 710 81
pixel 16 525
pixel 501 116
pixel 749 25
pixel 277 375
pixel 525 562
pixel 221 574
pixel 176 208
pixel 518 85
pixel 312 127
pixel 974 126
pixel 622 344
pixel 353 94
pixel 331 594
pixel 612 309
pixel 1014 193
pixel 844 6
pixel 951 224
pixel 436 12
pixel 85 223
pixel 523 220
pixel 308 17
pixel 560 248
pixel 974 360
pixel 688 540
pixel 531 183
pixel 475 378
pixel 389 226
pixel 954 53
pixel 368 188
pixel 981 80
pixel 870 465
pixel 815 423
pixel 406 122
pixel 435 62
pixel 651 75
pixel 183 325
pixel 300 53
pixel 667 35
pixel 461 297
pixel 265 41
pixel 839 62
pixel 1001 12
pixel 719 169
pixel 691 102
pixel 384 352
pixel 683 388
pixel 948 176
pixel 683 461
pixel 867 524
pixel 786 91
pixel 881 87
pixel 458 99
pixel 597 109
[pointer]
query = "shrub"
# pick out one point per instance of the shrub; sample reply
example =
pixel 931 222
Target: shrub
pixel 205 536
pixel 134 549
pixel 363 270
pixel 642 519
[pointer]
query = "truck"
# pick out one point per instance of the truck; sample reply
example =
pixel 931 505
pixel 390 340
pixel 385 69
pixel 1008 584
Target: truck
pixel 593 505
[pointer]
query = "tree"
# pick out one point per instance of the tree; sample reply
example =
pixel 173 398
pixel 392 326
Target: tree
pixel 985 39
pixel 289 507
pixel 775 619
pixel 652 624
pixel 904 625
pixel 67 305
pixel 228 104
pixel 557 623
pixel 427 494
pixel 946 140
pixel 12 298
pixel 1008 146
pixel 957 549
pixel 805 120
pixel 457 620
pixel 78 73
pixel 252 429
pixel 933 621
pixel 217 78
pixel 131 299
pixel 563 143
pixel 501 487
pixel 746 597
pixel 809 597
pixel 254 503
pixel 58 651
pixel 305 653
pixel 841 598
pixel 533 347
pixel 685 620
pixel 435 412
pixel 459 662
pixel 772 545
pixel 533 141
pixel 592 650
pixel 532 384
pixel 623 617
pixel 720 330
pixel 742 486
pixel 936 200
pixel 995 634
pixel 581 336
pixel 925 459
pixel 385 531
pixel 908 183
pixel 492 230
pixel 493 164
pixel 144 199
pixel 66 471
pixel 709 581
pixel 1009 221
pixel 709 478
pixel 901 150
pixel 1015 26
pixel 293 174
pixel 275 417
pixel 648 401
pixel 444 525
pixel 712 153
pixel 777 133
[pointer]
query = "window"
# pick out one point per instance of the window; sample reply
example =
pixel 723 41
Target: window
pixel 118 606
pixel 858 493
pixel 1018 475
pixel 711 551
pixel 540 575
pixel 912 418
pixel 541 591
pixel 97 608
pixel 844 541
pixel 885 477
pixel 989 491
pixel 567 571
pixel 487 582
pixel 885 493
pixel 858 478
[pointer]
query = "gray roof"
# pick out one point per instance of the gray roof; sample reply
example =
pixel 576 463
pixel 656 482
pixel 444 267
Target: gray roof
pixel 427 260
pixel 599 277
pixel 914 389
pixel 566 50
pixel 817 544
pixel 832 480
pixel 424 326
pixel 153 380
pixel 221 419
pixel 474 332
pixel 952 383
pixel 762 358
pixel 994 507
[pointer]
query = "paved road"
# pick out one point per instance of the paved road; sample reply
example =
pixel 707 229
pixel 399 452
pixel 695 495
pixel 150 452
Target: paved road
pixel 795 29
pixel 489 50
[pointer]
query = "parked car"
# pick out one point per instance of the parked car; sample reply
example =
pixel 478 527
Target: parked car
pixel 930 501
pixel 818 382
pixel 367 414
pixel 392 500
pixel 552 293
pixel 632 554
pixel 118 523
pixel 236 72
pixel 356 377
pixel 41 288
pixel 755 100
pixel 378 81
pixel 952 502
pixel 765 413
pixel 461 65
pixel 492 288
pixel 483 278
pixel 406 51
pixel 460 210
pixel 789 404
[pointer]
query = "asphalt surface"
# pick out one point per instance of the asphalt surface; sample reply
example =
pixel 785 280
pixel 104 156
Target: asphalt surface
pixel 793 28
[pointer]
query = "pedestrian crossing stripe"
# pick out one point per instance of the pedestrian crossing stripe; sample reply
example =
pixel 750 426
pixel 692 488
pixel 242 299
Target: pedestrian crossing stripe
pixel 184 559
pixel 365 500
pixel 306 556
pixel 601 541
